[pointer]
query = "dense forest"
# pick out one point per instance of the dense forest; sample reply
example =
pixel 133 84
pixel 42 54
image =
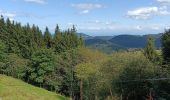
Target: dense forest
pixel 61 63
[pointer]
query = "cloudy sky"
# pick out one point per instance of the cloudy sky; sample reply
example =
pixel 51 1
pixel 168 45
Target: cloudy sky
pixel 93 17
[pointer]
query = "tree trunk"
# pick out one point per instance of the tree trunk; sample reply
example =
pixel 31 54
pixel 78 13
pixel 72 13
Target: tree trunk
pixel 81 89
pixel 40 85
pixel 111 94
pixel 51 88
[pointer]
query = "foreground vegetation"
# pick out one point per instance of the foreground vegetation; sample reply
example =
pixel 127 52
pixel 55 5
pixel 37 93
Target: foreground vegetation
pixel 62 64
pixel 14 89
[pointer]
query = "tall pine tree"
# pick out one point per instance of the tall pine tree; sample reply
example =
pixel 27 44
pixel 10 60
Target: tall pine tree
pixel 166 46
pixel 47 38
pixel 150 51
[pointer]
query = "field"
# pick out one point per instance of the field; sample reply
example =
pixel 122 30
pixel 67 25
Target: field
pixel 14 89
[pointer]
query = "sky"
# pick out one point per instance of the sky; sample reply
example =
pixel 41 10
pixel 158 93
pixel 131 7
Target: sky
pixel 92 17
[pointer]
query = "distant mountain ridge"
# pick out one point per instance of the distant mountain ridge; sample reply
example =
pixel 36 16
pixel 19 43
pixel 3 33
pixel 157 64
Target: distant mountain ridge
pixel 135 41
pixel 109 44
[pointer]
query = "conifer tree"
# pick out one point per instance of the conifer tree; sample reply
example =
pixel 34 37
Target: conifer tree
pixel 81 41
pixel 3 33
pixel 166 46
pixel 47 38
pixel 57 36
pixel 57 31
pixel 39 37
pixel 150 51
pixel 3 57
pixel 42 64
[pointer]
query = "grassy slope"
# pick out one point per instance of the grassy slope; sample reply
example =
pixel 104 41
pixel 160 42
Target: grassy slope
pixel 14 89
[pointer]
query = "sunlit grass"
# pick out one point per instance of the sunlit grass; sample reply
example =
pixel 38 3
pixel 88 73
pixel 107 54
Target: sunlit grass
pixel 14 89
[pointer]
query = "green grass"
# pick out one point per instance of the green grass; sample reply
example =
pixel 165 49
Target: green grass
pixel 14 89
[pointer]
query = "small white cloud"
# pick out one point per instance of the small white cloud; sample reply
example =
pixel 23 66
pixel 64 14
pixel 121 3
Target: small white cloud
pixel 98 22
pixel 112 27
pixel 155 27
pixel 36 1
pixel 94 28
pixel 70 23
pixel 7 14
pixel 147 12
pixel 84 12
pixel 164 2
pixel 167 27
pixel 94 22
pixel 86 7
pixel 138 27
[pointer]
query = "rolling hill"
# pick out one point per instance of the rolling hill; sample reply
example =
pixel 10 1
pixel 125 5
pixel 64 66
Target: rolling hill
pixel 103 45
pixel 135 41
pixel 109 44
pixel 14 89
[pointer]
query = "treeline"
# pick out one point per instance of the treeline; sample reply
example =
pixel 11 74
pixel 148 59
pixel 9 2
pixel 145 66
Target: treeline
pixel 62 64
pixel 23 40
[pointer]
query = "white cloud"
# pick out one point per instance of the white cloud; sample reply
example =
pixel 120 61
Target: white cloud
pixel 70 23
pixel 164 2
pixel 151 27
pixel 84 12
pixel 91 28
pixel 36 1
pixel 86 7
pixel 98 22
pixel 155 27
pixel 147 12
pixel 167 27
pixel 7 14
pixel 138 27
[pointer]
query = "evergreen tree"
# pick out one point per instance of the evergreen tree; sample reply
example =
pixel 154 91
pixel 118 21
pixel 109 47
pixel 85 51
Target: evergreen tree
pixel 3 33
pixel 42 65
pixel 149 50
pixel 73 29
pixel 57 36
pixel 81 41
pixel 57 31
pixel 26 40
pixel 47 38
pixel 40 42
pixel 3 57
pixel 166 46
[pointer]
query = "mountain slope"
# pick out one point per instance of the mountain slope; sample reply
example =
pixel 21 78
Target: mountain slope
pixel 14 89
pixel 135 41
pixel 108 44
pixel 85 36
pixel 103 37
pixel 102 45
pixel 130 41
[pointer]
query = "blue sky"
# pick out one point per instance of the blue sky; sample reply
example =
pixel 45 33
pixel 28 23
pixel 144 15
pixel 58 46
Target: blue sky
pixel 93 17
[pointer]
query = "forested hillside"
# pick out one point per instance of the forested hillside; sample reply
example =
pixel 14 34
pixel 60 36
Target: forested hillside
pixel 62 64
pixel 135 41
pixel 109 44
